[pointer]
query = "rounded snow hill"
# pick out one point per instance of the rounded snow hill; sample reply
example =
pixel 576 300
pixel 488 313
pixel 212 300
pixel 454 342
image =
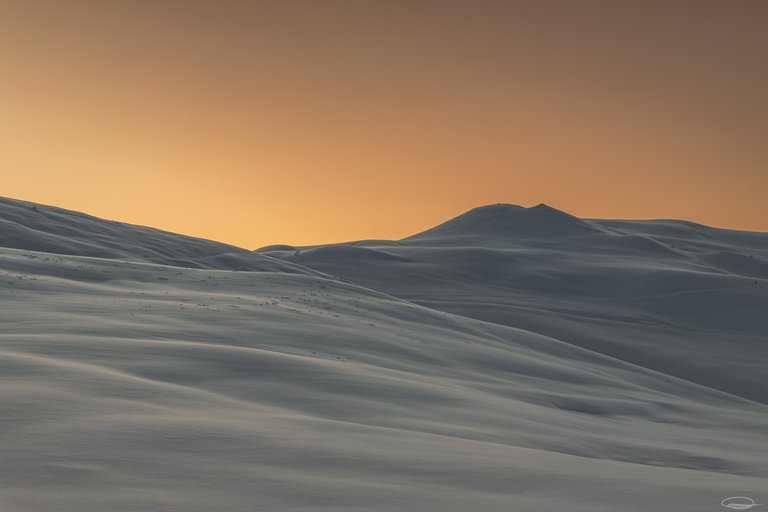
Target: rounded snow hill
pixel 509 220
pixel 646 292
pixel 34 227
pixel 129 387
pixel 588 369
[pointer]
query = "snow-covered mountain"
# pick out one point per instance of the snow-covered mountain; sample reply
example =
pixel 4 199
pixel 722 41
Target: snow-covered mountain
pixel 509 359
pixel 677 297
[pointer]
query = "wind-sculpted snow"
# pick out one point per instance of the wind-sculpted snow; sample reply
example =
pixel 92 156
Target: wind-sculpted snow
pixel 676 297
pixel 49 229
pixel 501 222
pixel 135 386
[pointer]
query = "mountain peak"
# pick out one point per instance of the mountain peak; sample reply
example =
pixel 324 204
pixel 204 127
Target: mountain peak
pixel 510 220
pixel 502 208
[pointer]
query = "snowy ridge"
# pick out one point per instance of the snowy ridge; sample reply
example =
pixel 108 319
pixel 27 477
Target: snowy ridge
pixel 489 365
pixel 42 228
pixel 673 296
pixel 509 220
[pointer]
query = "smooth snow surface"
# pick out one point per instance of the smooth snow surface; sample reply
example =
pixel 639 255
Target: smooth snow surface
pixel 55 230
pixel 511 359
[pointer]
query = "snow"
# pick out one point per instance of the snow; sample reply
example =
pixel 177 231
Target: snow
pixel 54 230
pixel 510 359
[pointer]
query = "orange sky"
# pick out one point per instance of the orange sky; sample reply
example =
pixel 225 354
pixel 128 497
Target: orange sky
pixel 259 122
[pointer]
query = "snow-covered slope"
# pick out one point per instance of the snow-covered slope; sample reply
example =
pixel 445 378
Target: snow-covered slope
pixel 683 299
pixel 129 385
pixel 34 227
pixel 500 222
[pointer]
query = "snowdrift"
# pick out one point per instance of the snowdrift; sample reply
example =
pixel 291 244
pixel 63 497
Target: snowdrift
pixel 558 364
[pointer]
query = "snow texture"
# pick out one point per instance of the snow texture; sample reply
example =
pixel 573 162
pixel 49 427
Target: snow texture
pixel 509 359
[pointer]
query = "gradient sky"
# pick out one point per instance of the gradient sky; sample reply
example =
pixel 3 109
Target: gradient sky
pixel 259 122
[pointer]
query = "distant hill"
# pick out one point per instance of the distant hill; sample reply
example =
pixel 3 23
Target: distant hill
pixel 35 227
pixel 673 296
pixel 510 359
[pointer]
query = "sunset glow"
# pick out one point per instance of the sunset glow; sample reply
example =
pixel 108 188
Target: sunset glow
pixel 304 122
